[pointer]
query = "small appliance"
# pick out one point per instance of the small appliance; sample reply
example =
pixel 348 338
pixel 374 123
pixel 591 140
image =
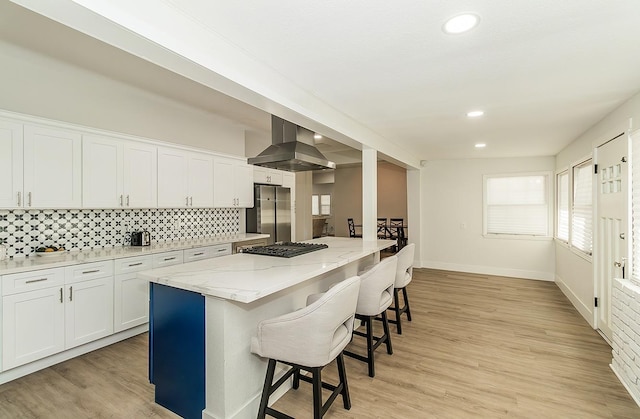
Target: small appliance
pixel 140 238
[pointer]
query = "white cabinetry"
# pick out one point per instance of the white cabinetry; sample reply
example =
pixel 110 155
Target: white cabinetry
pixel 185 179
pixel 11 162
pixel 89 302
pixel 118 173
pixel 267 176
pixel 207 252
pixel 131 302
pixel 233 183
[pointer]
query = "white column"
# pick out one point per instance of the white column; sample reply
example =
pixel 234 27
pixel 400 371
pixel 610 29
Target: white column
pixel 414 204
pixel 369 193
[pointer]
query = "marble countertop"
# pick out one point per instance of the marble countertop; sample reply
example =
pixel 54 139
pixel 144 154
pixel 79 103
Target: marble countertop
pixel 246 278
pixel 30 263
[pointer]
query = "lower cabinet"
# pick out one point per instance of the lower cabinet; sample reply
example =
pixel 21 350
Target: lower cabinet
pixel 131 304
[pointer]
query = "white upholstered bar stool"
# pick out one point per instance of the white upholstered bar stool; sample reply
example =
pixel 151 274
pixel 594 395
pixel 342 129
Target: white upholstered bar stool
pixel 404 273
pixel 308 339
pixel 376 290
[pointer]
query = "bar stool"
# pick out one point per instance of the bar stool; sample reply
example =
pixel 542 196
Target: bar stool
pixel 373 300
pixel 404 272
pixel 308 339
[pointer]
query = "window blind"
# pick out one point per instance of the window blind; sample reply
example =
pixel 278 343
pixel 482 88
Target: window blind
pixel 562 226
pixel 517 205
pixel 582 209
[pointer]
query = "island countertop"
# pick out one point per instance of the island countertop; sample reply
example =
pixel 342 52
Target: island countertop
pixel 246 277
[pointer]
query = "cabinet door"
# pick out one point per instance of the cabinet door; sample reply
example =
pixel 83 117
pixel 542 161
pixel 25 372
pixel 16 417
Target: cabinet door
pixel 32 326
pixel 10 165
pixel 140 175
pixel 244 185
pixel 223 183
pixel 131 301
pixel 200 180
pixel 172 178
pixel 52 168
pixel 88 311
pixel 102 171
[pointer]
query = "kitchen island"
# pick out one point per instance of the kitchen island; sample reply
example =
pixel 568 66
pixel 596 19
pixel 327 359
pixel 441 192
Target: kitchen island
pixel 203 315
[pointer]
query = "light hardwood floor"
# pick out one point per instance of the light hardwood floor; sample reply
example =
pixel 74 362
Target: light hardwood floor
pixel 479 346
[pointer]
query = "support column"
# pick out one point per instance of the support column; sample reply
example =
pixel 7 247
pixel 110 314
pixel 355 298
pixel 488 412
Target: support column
pixel 369 193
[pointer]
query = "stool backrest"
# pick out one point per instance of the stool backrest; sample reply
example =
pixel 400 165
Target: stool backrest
pixel 404 269
pixel 375 281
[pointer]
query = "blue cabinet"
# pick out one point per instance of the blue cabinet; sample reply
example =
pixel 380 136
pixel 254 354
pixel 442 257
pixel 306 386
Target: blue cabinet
pixel 177 349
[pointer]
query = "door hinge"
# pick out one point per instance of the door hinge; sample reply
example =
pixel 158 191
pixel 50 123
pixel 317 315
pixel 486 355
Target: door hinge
pixel 596 302
pixel 595 169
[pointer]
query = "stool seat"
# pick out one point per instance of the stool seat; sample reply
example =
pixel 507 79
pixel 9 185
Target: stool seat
pixel 308 339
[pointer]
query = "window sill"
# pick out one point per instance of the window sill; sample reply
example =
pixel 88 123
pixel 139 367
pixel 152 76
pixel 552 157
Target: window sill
pixel 517 237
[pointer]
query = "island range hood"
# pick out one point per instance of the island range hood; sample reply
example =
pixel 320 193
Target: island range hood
pixel 288 152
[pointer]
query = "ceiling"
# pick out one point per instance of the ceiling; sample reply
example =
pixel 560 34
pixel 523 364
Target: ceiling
pixel 374 72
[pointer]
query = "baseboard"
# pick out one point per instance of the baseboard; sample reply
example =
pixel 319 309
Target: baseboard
pixel 43 363
pixel 585 311
pixel 489 270
pixel 624 383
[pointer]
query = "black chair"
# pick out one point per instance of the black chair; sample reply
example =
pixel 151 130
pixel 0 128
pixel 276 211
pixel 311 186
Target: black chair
pixel 383 230
pixel 352 228
pixel 396 232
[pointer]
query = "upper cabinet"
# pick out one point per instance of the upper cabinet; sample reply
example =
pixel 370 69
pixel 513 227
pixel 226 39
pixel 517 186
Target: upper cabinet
pixel 185 179
pixel 118 173
pixel 233 183
pixel 40 167
pixel 267 176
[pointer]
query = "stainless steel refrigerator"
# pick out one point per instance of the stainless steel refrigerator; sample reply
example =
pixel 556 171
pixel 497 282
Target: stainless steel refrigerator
pixel 271 213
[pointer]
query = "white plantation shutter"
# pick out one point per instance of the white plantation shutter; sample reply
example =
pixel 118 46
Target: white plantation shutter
pixel 562 227
pixel 582 210
pixel 517 205
pixel 635 206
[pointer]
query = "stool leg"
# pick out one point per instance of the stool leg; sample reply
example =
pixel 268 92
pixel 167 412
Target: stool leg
pixel 268 380
pixel 370 358
pixel 396 308
pixel 296 378
pixel 317 392
pixel 406 303
pixel 387 335
pixel 342 373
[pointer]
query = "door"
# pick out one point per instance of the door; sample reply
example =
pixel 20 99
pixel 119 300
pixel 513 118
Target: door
pixel 101 172
pixel 172 178
pixel 88 311
pixel 612 225
pixel 200 180
pixel 283 214
pixel 266 211
pixel 140 175
pixel 10 165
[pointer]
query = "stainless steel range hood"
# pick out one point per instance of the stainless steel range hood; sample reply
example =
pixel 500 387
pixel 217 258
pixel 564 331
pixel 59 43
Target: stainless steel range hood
pixel 287 152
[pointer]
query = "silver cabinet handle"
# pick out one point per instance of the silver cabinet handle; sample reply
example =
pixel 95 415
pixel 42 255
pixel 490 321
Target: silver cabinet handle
pixel 29 199
pixel 222 250
pixel 191 201
pixel 91 271
pixel 31 281
pixel 19 198
pixel 198 254
pixel 167 259
pixel 71 293
pixel 135 264
pixel 187 201
pixel 121 200
pixel 61 296
pixel 127 200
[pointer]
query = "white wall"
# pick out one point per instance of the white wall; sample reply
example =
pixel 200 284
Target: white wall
pixel 452 217
pixel 35 84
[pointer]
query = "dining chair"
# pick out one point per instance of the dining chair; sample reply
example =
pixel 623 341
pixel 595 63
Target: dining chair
pixel 352 228
pixel 383 229
pixel 396 229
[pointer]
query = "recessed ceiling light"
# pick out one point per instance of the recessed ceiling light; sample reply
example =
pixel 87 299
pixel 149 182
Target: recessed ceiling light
pixel 317 136
pixel 475 114
pixel 480 145
pixel 461 23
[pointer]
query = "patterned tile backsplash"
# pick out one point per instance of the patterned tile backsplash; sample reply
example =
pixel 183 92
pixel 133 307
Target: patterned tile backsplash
pixel 23 231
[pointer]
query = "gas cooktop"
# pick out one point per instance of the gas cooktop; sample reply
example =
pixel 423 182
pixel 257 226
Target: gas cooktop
pixel 285 249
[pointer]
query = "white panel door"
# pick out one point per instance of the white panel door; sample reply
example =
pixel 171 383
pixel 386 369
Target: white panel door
pixel 200 180
pixel 32 326
pixel 88 311
pixel 611 244
pixel 131 301
pixel 223 183
pixel 10 165
pixel 140 175
pixel 243 176
pixel 102 171
pixel 52 168
pixel 172 178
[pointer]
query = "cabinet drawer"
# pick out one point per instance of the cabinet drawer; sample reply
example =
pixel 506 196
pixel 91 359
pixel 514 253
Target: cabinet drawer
pixel 33 280
pixel 134 264
pixel 88 271
pixel 167 259
pixel 207 252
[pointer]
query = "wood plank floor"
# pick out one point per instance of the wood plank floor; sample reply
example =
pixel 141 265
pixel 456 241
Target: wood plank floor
pixel 479 346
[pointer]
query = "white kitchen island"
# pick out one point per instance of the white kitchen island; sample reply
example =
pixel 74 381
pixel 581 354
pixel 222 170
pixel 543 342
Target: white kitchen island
pixel 227 297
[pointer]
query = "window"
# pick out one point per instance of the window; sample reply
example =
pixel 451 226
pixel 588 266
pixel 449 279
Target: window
pixel 517 204
pixel 562 216
pixel 320 204
pixel 582 208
